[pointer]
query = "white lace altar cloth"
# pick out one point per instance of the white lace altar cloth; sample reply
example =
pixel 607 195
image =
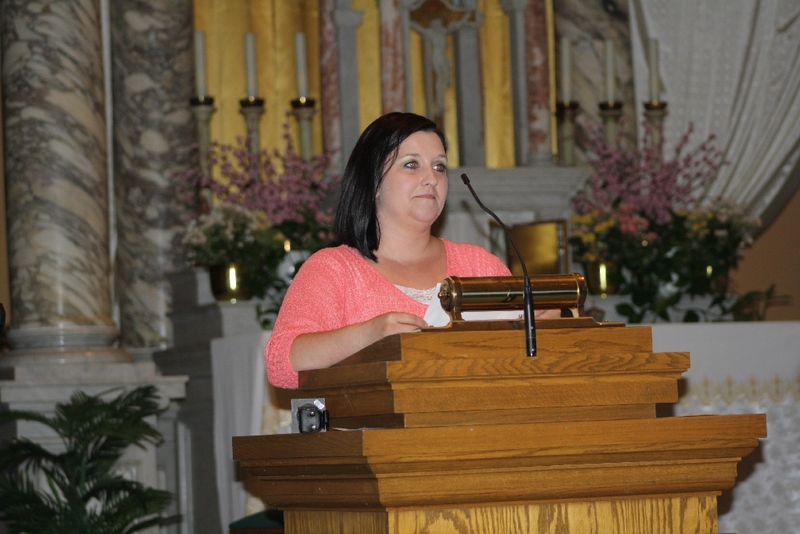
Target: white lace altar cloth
pixel 766 497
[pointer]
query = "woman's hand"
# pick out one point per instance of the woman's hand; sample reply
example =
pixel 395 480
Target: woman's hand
pixel 323 349
pixel 391 323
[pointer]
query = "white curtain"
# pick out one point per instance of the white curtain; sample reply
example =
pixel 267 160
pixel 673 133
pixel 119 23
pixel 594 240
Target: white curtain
pixel 242 407
pixel 732 67
pixel 238 373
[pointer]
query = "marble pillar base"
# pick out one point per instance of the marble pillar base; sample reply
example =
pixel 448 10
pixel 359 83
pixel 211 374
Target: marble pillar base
pixel 62 344
pixel 56 356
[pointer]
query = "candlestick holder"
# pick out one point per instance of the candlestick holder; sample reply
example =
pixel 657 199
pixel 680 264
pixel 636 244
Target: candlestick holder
pixel 252 108
pixel 303 110
pixel 566 112
pixel 203 108
pixel 654 112
pixel 611 113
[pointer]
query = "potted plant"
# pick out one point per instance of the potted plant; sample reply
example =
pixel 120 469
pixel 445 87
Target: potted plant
pixel 239 248
pixel 646 215
pixel 76 489
pixel 271 205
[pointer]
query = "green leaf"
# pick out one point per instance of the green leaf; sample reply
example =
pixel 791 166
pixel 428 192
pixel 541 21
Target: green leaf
pixel 691 316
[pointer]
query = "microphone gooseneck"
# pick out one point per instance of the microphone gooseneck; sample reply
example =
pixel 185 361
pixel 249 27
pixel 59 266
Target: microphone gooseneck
pixel 527 294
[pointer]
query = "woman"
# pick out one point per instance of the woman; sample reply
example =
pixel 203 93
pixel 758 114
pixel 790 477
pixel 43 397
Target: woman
pixel 380 280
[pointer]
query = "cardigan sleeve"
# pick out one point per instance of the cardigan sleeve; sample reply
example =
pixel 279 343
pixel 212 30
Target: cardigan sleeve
pixel 312 304
pixel 471 260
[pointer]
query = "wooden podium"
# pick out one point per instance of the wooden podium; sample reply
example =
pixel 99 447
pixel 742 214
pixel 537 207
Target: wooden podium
pixel 456 431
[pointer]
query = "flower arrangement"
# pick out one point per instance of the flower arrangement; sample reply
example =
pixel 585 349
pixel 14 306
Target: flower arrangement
pixel 229 233
pixel 647 215
pixel 256 207
pixel 288 191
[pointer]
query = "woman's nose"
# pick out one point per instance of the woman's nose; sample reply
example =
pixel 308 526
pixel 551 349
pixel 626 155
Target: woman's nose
pixel 429 176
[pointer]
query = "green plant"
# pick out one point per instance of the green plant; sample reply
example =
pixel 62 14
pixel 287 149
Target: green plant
pixel 752 306
pixel 80 491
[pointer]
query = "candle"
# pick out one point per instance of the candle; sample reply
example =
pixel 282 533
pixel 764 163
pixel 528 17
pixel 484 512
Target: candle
pixel 655 82
pixel 566 84
pixel 610 80
pixel 250 63
pixel 300 64
pixel 200 62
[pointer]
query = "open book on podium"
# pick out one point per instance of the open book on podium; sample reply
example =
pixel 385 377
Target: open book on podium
pixel 456 430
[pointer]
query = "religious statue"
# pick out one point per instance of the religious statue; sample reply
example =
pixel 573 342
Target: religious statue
pixel 434 20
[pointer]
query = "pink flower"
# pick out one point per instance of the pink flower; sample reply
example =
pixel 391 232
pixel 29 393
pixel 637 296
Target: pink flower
pixel 640 185
pixel 281 185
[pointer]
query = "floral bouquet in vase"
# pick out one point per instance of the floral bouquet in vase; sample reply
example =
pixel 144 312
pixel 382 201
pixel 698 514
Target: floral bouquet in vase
pixel 646 218
pixel 239 248
pixel 257 208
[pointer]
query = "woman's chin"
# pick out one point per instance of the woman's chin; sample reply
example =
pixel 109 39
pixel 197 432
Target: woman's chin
pixel 427 218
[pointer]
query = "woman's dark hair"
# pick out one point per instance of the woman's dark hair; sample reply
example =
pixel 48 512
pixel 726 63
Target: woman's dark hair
pixel 356 221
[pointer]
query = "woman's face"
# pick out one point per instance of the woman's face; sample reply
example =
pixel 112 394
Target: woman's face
pixel 414 188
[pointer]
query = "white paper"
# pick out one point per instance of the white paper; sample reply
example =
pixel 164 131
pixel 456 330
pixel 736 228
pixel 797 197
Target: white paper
pixel 435 316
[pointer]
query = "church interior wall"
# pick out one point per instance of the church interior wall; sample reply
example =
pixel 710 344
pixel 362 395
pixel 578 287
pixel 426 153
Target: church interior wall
pixel 773 258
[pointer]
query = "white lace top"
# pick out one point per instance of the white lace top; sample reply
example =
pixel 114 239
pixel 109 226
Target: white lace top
pixel 423 296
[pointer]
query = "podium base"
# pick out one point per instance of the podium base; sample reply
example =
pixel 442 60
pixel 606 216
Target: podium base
pixel 672 515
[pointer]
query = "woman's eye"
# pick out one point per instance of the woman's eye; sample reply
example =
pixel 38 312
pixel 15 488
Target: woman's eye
pixel 411 165
pixel 441 167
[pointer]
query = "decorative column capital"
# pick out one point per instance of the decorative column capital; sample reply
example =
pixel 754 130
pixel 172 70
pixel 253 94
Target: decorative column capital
pixel 347 18
pixel 512 6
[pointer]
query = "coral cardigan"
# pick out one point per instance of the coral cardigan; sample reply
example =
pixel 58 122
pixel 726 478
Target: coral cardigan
pixel 337 287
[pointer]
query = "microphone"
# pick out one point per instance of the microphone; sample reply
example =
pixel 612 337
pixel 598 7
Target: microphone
pixel 527 294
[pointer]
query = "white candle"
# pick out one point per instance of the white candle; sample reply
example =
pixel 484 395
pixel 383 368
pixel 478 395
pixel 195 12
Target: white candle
pixel 300 64
pixel 655 82
pixel 250 63
pixel 200 62
pixel 566 83
pixel 610 80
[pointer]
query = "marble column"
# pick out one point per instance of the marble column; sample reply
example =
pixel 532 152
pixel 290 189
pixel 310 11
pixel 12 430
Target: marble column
pixel 155 138
pixel 538 84
pixel 329 79
pixel 346 22
pixel 519 89
pixel 469 97
pixel 394 71
pixel 57 182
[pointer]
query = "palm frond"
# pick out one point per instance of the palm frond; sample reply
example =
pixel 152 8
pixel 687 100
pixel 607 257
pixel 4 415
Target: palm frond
pixel 82 492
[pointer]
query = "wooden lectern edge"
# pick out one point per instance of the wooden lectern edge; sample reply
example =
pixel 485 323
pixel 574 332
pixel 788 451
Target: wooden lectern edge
pixel 384 469
pixel 390 347
pixel 567 367
pixel 583 441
